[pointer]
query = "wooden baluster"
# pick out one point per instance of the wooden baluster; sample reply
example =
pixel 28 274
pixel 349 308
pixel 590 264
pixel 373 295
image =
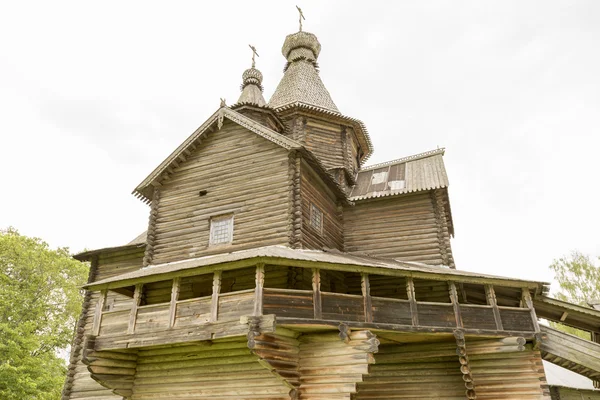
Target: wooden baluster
pixel 410 291
pixel 455 304
pixel 491 300
pixel 137 298
pixel 258 291
pixel 98 313
pixel 316 284
pixel 214 304
pixel 174 298
pixel 366 292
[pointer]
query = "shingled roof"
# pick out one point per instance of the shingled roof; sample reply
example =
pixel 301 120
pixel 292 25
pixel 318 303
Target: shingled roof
pixel 424 171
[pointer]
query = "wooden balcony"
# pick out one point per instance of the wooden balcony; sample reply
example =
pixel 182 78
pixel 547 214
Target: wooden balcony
pixel 227 314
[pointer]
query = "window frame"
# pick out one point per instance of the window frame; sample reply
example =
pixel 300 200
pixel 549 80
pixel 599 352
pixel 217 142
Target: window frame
pixel 321 214
pixel 212 228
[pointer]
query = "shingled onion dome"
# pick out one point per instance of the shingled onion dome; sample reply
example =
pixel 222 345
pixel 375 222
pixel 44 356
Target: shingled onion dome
pixel 252 88
pixel 301 82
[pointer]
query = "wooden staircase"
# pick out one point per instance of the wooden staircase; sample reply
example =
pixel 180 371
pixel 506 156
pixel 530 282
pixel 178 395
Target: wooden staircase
pixel 571 352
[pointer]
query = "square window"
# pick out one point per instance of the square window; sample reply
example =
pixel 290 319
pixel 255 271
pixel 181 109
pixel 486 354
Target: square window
pixel 316 218
pixel 221 230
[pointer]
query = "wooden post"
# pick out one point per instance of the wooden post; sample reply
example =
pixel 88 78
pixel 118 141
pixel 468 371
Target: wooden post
pixel 174 298
pixel 455 304
pixel 214 304
pixel 98 313
pixel 366 292
pixel 137 298
pixel 528 302
pixel 316 284
pixel 258 291
pixel 491 300
pixel 410 291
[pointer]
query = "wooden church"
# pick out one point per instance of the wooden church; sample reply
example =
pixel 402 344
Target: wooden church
pixel 276 265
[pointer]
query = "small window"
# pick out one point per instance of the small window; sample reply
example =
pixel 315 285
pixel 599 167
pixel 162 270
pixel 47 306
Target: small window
pixel 221 230
pixel 316 218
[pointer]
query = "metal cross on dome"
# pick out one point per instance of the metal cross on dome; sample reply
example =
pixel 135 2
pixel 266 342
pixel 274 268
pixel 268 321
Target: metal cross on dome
pixel 254 53
pixel 301 17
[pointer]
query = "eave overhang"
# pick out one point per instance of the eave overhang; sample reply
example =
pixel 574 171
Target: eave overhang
pixel 285 256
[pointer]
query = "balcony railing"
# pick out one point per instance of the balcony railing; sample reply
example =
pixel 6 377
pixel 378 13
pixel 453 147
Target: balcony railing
pixel 219 314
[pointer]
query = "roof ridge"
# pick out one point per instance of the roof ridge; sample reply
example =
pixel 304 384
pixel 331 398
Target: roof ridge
pixel 404 159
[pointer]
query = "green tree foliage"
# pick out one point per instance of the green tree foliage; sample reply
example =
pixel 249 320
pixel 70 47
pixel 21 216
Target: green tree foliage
pixel 39 303
pixel 578 277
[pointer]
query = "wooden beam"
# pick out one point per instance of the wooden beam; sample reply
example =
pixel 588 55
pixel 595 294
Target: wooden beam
pixel 563 317
pixel 366 292
pixel 316 284
pixel 526 295
pixel 214 304
pixel 173 304
pixel 455 304
pixel 490 295
pixel 465 368
pixel 98 313
pixel 410 292
pixel 137 298
pixel 258 291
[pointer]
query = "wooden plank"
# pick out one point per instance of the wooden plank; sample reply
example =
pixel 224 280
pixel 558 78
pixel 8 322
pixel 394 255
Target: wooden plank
pixel 455 304
pixel 366 292
pixel 258 291
pixel 214 305
pixel 174 298
pixel 98 313
pixel 316 283
pixel 529 304
pixel 410 291
pixel 137 298
pixel 491 300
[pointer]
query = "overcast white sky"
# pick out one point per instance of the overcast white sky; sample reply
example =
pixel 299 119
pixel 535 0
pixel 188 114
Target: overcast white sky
pixel 94 95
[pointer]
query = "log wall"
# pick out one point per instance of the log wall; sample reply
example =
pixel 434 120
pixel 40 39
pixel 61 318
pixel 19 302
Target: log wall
pixel 313 191
pixel 79 384
pixel 244 175
pixel 331 367
pixel 405 227
pixel 502 372
pixel 219 370
pixel 413 372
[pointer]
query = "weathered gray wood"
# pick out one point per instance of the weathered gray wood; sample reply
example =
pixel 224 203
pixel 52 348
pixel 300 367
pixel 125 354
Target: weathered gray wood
pixel 366 292
pixel 214 305
pixel 491 300
pixel 455 304
pixel 258 291
pixel 316 284
pixel 410 291
pixel 173 304
pixel 529 304
pixel 137 298
pixel 98 313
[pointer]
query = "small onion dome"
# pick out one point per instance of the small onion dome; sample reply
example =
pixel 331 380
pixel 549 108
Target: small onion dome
pixel 252 88
pixel 252 76
pixel 301 45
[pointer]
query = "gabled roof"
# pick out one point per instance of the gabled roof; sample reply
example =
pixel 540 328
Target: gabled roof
pixel 144 190
pixel 424 171
pixel 307 258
